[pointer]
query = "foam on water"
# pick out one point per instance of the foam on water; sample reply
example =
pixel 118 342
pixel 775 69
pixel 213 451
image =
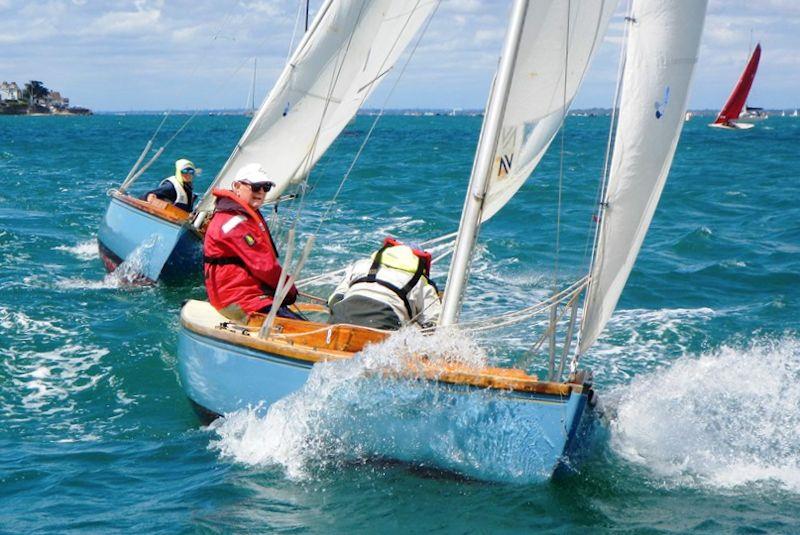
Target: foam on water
pixel 86 250
pixel 724 419
pixel 128 273
pixel 349 411
pixel 640 339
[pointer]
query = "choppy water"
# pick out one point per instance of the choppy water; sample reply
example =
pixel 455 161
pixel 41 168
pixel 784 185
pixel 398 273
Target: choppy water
pixel 700 367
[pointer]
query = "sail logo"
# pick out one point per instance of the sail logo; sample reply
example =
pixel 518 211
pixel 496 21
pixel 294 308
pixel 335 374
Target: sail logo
pixel 505 165
pixel 661 106
pixel 505 159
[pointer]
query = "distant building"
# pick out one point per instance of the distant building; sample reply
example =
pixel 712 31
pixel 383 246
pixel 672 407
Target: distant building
pixel 56 101
pixel 10 91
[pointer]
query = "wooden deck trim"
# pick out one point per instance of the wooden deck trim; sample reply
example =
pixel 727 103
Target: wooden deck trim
pixel 170 213
pixel 298 348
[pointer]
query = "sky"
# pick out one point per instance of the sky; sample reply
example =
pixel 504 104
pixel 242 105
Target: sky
pixel 123 55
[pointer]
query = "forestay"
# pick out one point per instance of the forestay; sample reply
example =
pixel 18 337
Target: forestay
pixel 557 44
pixel 350 47
pixel 661 54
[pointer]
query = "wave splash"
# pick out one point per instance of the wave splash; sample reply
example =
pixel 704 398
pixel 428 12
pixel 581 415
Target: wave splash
pixel 723 420
pixel 85 250
pixel 348 412
pixel 128 273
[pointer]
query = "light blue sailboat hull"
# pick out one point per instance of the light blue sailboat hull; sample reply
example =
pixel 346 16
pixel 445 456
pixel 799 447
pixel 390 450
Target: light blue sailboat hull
pixel 488 434
pixel 155 247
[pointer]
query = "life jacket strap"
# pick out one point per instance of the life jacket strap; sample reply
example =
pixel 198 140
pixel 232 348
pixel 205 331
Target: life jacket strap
pixel 224 261
pixel 236 261
pixel 402 293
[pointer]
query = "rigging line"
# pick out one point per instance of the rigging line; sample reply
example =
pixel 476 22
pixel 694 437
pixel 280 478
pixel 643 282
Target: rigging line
pixel 513 320
pixel 222 83
pixel 600 193
pixel 191 75
pixel 294 29
pixel 332 202
pixel 520 315
pixel 383 107
pixel 603 186
pixel 561 155
pixel 307 164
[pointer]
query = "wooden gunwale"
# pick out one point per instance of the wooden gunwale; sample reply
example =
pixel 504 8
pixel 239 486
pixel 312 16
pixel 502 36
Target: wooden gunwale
pixel 339 342
pixel 169 213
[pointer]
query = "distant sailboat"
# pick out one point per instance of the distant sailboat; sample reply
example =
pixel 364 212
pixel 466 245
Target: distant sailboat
pixel 250 109
pixel 732 115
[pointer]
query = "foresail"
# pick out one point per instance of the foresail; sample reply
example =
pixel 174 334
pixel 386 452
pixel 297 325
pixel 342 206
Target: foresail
pixel 661 54
pixel 558 41
pixel 351 46
pixel 736 101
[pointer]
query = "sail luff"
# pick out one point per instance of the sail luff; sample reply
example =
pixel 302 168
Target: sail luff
pixel 738 97
pixel 207 200
pixel 661 53
pixel 543 88
pixel 322 86
pixel 476 191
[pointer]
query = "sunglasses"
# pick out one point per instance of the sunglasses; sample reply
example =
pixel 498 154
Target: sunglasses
pixel 187 171
pixel 255 188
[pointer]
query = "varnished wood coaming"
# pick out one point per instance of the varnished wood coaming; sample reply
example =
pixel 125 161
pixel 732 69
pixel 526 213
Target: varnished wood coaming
pixel 169 213
pixel 312 342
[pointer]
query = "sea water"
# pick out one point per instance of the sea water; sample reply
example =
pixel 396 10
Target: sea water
pixel 699 369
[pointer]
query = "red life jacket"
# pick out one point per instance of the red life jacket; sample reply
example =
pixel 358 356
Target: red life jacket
pixel 241 262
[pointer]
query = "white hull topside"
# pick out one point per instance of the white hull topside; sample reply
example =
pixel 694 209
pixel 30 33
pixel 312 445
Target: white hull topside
pixel 732 126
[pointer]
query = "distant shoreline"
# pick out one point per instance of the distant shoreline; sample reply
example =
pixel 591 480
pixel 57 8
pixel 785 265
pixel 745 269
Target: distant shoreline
pixel 414 112
pixel 407 112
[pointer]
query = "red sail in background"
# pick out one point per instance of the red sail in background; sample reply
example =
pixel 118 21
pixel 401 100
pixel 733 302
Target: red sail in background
pixel 731 110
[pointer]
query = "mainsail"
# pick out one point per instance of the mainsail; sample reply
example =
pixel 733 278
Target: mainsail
pixel 733 107
pixel 557 43
pixel 661 54
pixel 547 51
pixel 350 47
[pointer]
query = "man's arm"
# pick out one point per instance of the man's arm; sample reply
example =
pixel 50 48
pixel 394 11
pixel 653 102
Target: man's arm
pixel 343 286
pixel 164 192
pixel 431 305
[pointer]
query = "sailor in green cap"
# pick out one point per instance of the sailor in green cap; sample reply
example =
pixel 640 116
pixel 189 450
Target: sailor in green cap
pixel 176 189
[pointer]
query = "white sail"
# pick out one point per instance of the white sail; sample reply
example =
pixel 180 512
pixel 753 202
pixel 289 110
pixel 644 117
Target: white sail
pixel 661 54
pixel 350 47
pixel 547 50
pixel 557 44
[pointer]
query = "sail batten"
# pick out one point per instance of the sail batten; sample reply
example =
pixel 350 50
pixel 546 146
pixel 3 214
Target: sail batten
pixel 663 41
pixel 351 46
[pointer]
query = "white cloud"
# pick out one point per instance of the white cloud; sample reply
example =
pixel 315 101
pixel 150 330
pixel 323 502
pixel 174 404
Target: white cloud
pixel 79 47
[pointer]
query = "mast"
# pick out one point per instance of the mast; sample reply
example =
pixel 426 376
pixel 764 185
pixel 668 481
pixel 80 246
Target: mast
pixel 253 90
pixel 484 155
pixel 307 3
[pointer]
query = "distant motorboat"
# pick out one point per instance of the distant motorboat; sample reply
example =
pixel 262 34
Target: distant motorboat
pixel 735 115
pixel 750 115
pixel 688 116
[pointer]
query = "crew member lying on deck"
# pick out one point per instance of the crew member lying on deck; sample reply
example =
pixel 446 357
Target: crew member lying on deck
pixel 240 259
pixel 388 290
pixel 175 189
